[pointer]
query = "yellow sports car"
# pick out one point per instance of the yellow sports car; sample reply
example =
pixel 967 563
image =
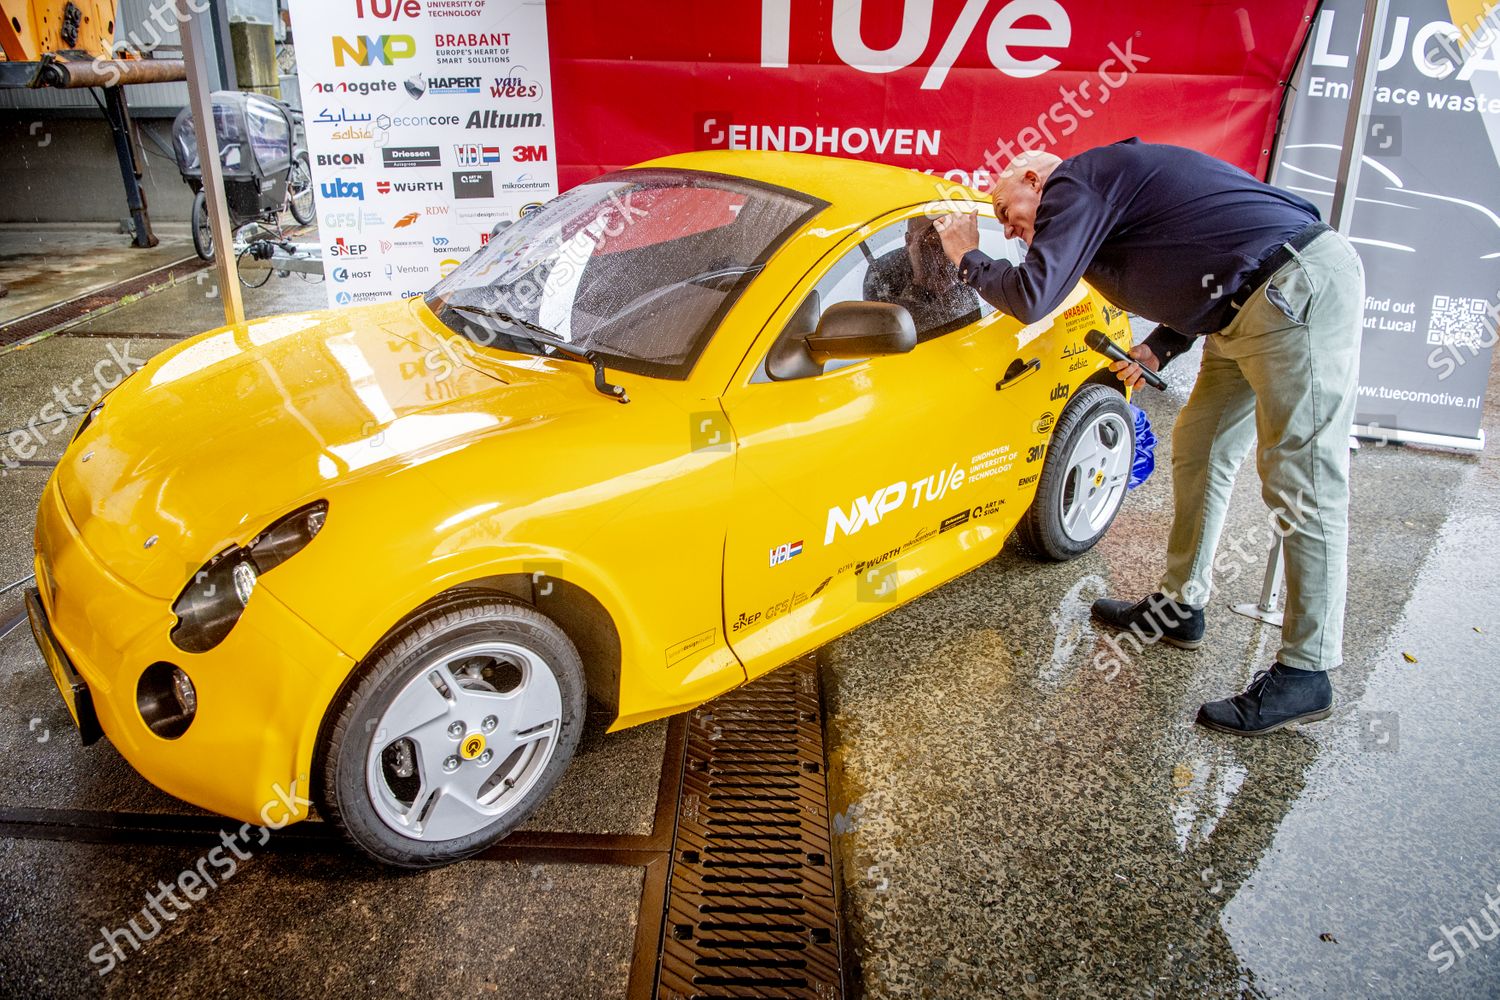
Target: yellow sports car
pixel 685 423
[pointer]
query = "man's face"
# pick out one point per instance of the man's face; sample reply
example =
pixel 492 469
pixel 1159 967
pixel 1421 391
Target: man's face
pixel 1015 200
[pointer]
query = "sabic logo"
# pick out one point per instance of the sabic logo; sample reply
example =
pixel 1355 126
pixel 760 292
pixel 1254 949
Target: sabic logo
pixel 500 119
pixel 340 188
pixel 340 159
pixel 383 50
pixel 529 154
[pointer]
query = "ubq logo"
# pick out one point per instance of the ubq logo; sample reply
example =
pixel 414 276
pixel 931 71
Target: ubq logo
pixel 340 188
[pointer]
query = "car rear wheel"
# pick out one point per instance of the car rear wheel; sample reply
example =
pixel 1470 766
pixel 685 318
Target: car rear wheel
pixel 1084 477
pixel 455 731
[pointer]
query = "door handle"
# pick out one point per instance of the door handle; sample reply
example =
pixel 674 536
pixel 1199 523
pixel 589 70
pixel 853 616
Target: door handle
pixel 1017 371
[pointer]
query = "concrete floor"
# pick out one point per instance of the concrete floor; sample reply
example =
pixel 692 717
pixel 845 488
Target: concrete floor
pixel 42 265
pixel 1018 823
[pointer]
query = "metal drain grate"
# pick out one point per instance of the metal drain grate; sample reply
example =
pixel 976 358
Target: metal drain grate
pixel 751 909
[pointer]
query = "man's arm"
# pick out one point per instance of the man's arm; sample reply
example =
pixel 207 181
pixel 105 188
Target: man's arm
pixel 1071 223
pixel 1166 343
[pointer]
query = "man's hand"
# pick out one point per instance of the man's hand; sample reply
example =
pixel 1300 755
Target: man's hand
pixel 960 234
pixel 1130 372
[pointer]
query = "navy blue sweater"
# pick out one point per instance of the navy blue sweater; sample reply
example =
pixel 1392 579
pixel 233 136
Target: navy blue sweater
pixel 1164 232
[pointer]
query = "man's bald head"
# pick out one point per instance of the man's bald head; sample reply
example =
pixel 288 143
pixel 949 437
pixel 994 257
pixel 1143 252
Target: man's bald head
pixel 1018 191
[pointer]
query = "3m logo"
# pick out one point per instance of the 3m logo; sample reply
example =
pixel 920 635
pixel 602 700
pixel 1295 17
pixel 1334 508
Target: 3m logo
pixel 382 50
pixel 529 154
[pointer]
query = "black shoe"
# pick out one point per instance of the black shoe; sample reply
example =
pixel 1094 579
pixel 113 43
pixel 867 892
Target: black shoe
pixel 1281 696
pixel 1153 618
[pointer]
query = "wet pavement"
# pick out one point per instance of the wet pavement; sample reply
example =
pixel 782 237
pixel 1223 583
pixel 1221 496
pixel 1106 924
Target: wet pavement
pixel 1025 813
pixel 42 265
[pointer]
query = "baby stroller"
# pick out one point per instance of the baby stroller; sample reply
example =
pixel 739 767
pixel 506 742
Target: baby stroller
pixel 264 170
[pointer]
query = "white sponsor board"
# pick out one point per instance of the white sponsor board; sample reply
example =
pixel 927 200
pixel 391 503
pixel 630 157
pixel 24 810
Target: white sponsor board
pixel 428 122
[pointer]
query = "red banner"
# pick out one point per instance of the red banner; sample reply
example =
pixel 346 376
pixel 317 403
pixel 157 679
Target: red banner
pixel 954 86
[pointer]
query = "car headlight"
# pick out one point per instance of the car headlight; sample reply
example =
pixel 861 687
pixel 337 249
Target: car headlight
pixel 213 601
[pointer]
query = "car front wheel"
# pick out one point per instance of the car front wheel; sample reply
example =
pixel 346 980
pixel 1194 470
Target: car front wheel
pixel 454 732
pixel 1084 477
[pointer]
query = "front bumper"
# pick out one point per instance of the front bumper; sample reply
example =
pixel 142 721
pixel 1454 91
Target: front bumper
pixel 262 693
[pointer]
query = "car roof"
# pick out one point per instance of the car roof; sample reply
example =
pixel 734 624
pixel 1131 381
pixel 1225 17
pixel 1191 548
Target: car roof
pixel 856 189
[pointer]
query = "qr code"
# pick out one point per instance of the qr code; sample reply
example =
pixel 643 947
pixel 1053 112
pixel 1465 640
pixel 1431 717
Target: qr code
pixel 1457 322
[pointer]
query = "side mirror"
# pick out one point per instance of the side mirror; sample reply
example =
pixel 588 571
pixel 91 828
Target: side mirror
pixel 852 330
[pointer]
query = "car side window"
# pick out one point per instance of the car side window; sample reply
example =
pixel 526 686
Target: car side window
pixel 904 264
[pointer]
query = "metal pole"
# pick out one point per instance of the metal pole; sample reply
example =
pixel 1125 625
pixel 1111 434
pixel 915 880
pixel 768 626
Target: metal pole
pixel 1270 590
pixel 196 51
pixel 1346 187
pixel 118 112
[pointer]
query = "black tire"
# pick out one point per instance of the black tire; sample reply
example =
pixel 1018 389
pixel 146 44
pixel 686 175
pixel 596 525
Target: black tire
pixel 347 768
pixel 300 180
pixel 203 234
pixel 1046 530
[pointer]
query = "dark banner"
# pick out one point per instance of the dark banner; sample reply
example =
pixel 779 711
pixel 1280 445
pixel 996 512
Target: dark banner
pixel 1425 220
pixel 953 86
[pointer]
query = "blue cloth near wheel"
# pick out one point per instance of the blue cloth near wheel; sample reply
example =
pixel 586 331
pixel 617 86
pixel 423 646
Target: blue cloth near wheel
pixel 1145 448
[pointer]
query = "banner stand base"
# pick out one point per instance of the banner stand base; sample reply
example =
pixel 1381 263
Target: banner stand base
pixel 1267 610
pixel 1387 435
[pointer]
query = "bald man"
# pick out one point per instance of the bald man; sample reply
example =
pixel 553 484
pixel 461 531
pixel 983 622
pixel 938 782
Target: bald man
pixel 1205 250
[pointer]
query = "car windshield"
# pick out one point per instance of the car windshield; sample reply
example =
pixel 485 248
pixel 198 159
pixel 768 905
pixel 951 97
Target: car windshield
pixel 638 266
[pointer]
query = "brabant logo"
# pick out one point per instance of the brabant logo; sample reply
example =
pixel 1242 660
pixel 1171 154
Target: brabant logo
pixel 474 184
pixel 529 154
pixel 340 159
pixel 383 50
pixel 481 40
pixel 388 10
pixel 411 156
pixel 471 155
pixel 500 119
pixel 340 188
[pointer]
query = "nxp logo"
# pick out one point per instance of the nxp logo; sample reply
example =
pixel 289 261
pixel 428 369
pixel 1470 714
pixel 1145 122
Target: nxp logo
pixel 383 50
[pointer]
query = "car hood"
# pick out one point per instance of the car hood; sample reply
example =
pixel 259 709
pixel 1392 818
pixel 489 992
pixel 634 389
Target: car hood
pixel 214 439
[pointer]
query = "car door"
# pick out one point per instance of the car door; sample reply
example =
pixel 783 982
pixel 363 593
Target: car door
pixel 861 485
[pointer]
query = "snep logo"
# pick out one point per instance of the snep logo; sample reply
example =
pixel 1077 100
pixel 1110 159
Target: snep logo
pixel 470 155
pixel 341 159
pixel 411 156
pixel 382 50
pixel 529 154
pixel 514 87
pixel 474 184
pixel 388 10
pixel 340 188
pixel 348 251
pixel 502 119
pixel 407 220
pixel 785 551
